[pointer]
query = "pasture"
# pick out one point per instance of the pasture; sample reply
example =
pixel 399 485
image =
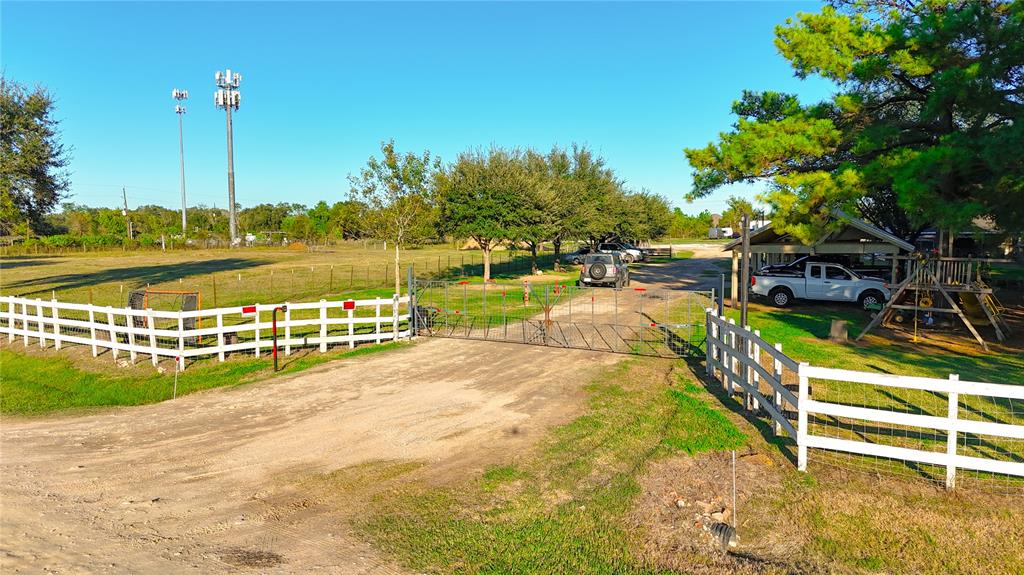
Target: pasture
pixel 518 458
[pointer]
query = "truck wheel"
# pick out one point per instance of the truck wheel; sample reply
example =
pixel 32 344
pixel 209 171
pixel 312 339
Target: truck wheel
pixel 628 258
pixel 780 297
pixel 871 298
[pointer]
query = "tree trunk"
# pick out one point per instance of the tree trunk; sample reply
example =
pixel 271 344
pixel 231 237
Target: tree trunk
pixel 558 253
pixel 487 261
pixel 398 273
pixel 533 258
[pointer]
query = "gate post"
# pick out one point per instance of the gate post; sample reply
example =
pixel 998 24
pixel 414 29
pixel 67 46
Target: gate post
pixel 412 303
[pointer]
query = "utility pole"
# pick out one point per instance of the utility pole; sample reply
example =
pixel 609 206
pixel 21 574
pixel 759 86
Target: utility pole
pixel 124 194
pixel 227 97
pixel 181 95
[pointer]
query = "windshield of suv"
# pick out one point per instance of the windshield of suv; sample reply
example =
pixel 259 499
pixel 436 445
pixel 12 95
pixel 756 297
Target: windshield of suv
pixel 600 259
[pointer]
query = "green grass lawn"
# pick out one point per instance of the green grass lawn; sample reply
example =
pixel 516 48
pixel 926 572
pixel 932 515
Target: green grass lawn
pixel 241 276
pixel 36 383
pixel 562 509
pixel 803 331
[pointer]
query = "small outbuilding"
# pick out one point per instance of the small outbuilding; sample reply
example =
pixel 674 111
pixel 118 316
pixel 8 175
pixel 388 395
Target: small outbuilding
pixel 853 237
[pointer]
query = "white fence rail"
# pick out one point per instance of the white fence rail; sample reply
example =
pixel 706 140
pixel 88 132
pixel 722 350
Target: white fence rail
pixel 189 334
pixel 979 428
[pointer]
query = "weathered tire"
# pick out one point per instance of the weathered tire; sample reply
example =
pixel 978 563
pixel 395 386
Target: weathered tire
pixel 598 271
pixel 780 297
pixel 577 261
pixel 871 297
pixel 627 258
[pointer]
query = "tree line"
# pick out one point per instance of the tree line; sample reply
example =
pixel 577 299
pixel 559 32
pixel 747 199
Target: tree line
pixel 499 196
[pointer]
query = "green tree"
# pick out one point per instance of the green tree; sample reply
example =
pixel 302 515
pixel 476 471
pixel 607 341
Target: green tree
pixel 736 208
pixel 647 217
pixel 927 111
pixel 479 197
pixel 33 161
pixel 397 188
pixel 347 219
pixel 537 211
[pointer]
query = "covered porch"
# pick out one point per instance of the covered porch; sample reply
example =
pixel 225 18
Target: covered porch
pixel 852 236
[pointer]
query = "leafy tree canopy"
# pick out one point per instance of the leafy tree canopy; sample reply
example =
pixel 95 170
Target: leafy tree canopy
pixel 33 162
pixel 924 128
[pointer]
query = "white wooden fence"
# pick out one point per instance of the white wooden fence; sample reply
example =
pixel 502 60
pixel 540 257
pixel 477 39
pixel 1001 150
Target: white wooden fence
pixel 971 409
pixel 188 334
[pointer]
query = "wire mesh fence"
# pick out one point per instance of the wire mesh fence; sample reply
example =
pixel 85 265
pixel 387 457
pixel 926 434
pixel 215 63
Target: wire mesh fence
pixel 950 432
pixel 666 323
pixel 920 420
pixel 248 284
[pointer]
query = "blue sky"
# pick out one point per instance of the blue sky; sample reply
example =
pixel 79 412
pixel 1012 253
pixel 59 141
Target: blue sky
pixel 323 83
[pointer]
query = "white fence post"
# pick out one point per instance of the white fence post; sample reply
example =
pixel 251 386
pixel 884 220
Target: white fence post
pixel 129 321
pixel 777 399
pixel 708 343
pixel 376 320
pixel 92 330
pixel 953 414
pixel 56 325
pixel 113 333
pixel 323 325
pixel 220 335
pixel 755 376
pixel 287 329
pixel 24 322
pixel 42 329
pixel 351 329
pixel 394 317
pixel 10 320
pixel 801 406
pixel 256 330
pixel 748 355
pixel 151 324
pixel 179 363
pixel 733 349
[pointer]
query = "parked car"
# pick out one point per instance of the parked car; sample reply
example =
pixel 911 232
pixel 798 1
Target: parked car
pixel 796 267
pixel 820 281
pixel 644 252
pixel 604 269
pixel 629 254
pixel 577 256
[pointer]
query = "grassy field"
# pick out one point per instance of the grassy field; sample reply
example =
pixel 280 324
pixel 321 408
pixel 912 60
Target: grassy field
pixel 804 329
pixel 236 277
pixel 38 382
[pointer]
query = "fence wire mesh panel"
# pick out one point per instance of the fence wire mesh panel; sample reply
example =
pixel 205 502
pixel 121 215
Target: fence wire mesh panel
pixel 663 323
pixel 948 431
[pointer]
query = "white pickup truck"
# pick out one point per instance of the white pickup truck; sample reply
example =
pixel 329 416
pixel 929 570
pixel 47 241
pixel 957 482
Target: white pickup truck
pixel 820 281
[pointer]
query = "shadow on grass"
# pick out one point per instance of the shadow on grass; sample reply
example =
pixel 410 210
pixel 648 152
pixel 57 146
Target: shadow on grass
pixel 136 276
pixel 23 262
pixel 785 445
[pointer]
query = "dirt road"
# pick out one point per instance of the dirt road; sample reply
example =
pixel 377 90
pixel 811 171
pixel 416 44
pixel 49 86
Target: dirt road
pixel 220 480
pixel 213 481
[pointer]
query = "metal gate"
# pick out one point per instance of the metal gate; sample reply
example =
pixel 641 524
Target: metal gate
pixel 640 321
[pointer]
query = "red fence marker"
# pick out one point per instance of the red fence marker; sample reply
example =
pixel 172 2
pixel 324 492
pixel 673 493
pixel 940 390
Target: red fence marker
pixel 249 310
pixel 348 304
